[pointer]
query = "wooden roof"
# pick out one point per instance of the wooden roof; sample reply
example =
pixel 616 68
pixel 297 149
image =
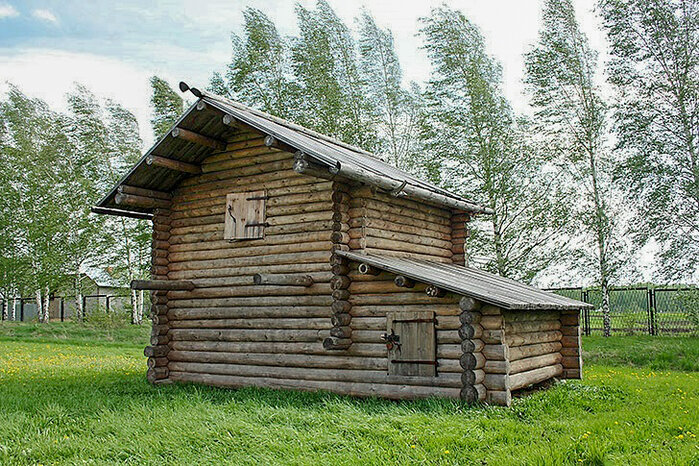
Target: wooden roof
pixel 205 117
pixel 478 284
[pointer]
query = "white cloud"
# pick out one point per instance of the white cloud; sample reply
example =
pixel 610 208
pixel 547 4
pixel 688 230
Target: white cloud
pixel 50 74
pixel 8 11
pixel 45 15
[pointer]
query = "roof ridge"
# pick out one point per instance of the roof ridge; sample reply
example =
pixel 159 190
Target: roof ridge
pixel 290 124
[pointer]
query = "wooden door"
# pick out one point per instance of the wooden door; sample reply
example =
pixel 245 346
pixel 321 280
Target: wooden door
pixel 415 351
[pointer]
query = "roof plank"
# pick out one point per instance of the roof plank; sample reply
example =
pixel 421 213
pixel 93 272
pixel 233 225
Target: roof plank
pixel 466 281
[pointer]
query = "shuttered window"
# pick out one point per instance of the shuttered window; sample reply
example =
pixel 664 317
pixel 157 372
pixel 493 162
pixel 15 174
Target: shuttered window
pixel 415 351
pixel 245 216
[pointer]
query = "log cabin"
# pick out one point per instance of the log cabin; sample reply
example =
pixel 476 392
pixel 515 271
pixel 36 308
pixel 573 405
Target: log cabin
pixel 284 258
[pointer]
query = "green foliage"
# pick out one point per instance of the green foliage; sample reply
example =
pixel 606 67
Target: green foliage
pixel 54 168
pixel 655 70
pixel 483 152
pixel 167 106
pixel 89 401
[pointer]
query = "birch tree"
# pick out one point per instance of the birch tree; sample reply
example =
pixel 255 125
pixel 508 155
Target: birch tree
pixel 476 147
pixel 332 92
pixel 394 108
pixel 560 77
pixel 167 106
pixel 655 71
pixel 260 72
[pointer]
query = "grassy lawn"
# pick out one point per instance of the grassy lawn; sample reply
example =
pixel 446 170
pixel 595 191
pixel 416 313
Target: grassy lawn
pixel 73 394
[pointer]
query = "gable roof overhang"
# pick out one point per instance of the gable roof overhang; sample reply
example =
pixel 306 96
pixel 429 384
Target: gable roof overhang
pixel 206 117
pixel 466 281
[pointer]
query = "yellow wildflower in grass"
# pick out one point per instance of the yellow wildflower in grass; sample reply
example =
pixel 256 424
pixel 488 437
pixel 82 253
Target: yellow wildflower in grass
pixel 446 452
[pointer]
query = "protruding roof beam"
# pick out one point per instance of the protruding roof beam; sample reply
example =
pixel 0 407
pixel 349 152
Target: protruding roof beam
pixel 197 138
pixel 121 213
pixel 165 285
pixel 126 189
pixel 172 164
pixel 143 202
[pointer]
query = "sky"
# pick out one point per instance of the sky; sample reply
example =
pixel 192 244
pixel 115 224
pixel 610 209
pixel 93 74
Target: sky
pixel 114 47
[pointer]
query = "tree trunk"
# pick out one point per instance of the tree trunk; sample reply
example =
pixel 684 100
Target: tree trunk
pixel 5 309
pixel 47 303
pixel 13 311
pixel 39 303
pixel 141 297
pixel 79 311
pixel 136 307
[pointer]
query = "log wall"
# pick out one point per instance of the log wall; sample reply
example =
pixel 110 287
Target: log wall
pixel 229 332
pixel 389 225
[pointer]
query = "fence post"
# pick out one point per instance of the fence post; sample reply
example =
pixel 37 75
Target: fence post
pixel 107 303
pixel 84 307
pixel 586 321
pixel 21 309
pixel 63 308
pixel 653 312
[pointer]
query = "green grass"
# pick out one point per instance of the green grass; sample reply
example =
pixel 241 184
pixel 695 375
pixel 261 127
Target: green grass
pixel 64 400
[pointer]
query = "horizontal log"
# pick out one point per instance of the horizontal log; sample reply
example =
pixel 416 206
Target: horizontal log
pixel 347 388
pixel 319 373
pixel 492 322
pixel 162 285
pixel 280 279
pixel 498 382
pixel 157 373
pixel 318 323
pixel 519 316
pixel 156 351
pixel 296 335
pixel 526 351
pixel 471 361
pixel 472 346
pixel 468 304
pixel 524 379
pixel 445 352
pixel 244 312
pixel 535 362
pixel 248 270
pixel 404 282
pixel 336 343
pixel 532 326
pixel 197 138
pixel 300 361
pixel 499 397
pixel 521 339
pixel 131 200
pixel 473 393
pixel 172 164
pixel 470 331
pixel 358 223
pixel 496 367
pixel 496 352
pixel 121 213
pixel 126 189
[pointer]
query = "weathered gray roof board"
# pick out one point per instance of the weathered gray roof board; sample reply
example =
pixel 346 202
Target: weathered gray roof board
pixel 209 122
pixel 466 281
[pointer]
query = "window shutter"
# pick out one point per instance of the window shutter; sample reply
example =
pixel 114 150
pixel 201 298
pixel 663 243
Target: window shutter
pixel 245 216
pixel 416 351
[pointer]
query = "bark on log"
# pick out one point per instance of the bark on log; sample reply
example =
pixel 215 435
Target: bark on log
pixel 535 362
pixel 347 388
pixel 162 285
pixel 197 138
pixel 524 379
pixel 280 279
pixel 172 164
